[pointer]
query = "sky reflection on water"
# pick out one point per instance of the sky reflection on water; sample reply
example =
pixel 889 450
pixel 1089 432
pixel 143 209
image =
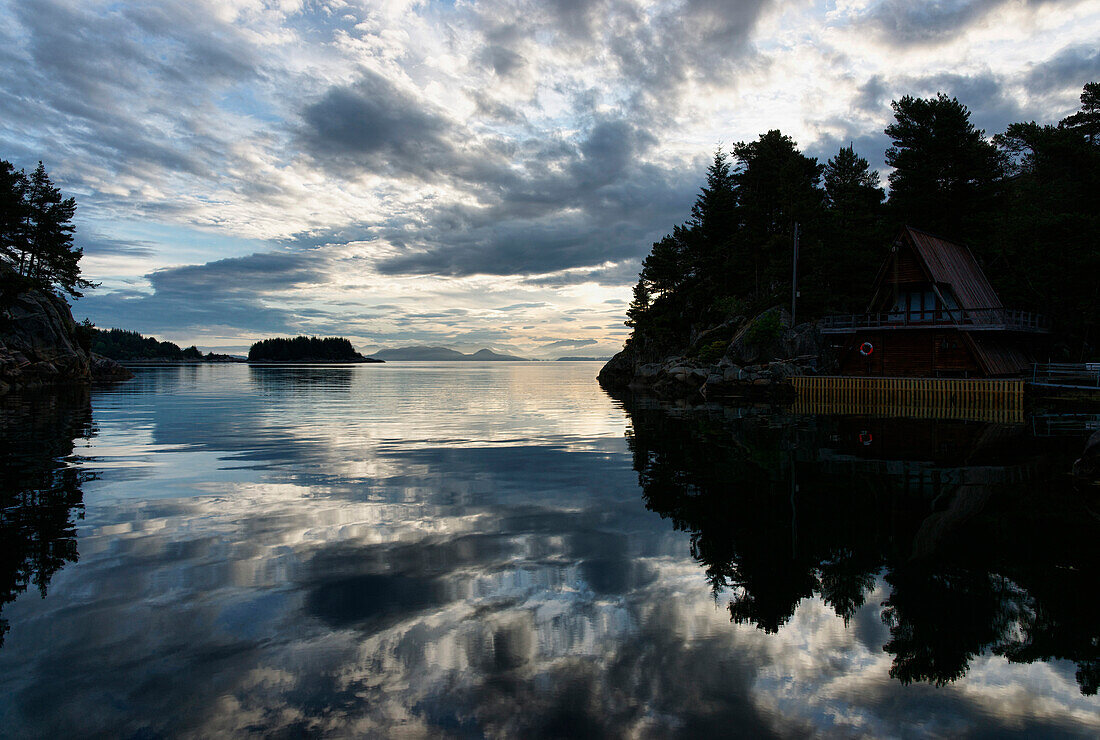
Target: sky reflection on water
pixel 466 550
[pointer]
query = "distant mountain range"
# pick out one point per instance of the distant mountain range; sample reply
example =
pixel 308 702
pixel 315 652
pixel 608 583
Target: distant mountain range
pixel 438 354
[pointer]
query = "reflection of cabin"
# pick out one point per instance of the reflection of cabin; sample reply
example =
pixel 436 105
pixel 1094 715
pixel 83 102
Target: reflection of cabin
pixel 933 313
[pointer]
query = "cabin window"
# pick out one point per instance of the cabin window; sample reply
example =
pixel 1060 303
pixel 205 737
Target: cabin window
pixel 914 306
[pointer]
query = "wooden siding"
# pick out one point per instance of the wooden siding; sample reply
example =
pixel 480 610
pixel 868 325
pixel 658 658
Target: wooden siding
pixel 950 353
pixel 912 353
pixel 905 269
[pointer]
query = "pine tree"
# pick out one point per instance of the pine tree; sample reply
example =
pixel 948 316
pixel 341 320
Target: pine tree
pixel 945 170
pixel 639 305
pixel 1087 120
pixel 13 188
pixel 36 230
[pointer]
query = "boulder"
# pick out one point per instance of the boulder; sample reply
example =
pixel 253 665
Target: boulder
pixel 104 368
pixel 618 372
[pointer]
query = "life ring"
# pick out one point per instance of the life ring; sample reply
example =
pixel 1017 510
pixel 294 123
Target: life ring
pixel 866 349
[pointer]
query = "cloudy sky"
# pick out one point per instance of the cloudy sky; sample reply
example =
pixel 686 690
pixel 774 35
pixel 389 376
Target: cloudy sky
pixel 462 173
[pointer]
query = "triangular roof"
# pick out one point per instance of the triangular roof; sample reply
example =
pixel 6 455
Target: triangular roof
pixel 946 264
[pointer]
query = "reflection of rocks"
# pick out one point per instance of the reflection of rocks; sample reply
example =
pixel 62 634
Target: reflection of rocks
pixel 1088 465
pixel 39 492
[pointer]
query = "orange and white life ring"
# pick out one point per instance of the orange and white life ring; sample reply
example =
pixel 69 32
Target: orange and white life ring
pixel 866 349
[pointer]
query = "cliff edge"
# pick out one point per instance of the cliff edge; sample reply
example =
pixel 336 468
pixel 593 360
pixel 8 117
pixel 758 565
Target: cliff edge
pixel 40 343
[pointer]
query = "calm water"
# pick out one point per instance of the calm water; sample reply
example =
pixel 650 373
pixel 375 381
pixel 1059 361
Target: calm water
pixel 504 550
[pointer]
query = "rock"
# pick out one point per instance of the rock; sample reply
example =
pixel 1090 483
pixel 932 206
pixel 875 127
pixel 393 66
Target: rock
pixel 648 370
pixel 104 368
pixel 780 371
pixel 39 341
pixel 618 372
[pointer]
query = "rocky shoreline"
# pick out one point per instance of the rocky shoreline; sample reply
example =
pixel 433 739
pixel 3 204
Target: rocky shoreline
pixel 752 365
pixel 40 344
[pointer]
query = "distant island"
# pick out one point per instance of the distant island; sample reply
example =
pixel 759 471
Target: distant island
pixel 122 345
pixel 582 359
pixel 306 350
pixel 441 354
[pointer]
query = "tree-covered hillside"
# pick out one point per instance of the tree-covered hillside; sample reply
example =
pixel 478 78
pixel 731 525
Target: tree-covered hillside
pixel 129 346
pixel 1024 201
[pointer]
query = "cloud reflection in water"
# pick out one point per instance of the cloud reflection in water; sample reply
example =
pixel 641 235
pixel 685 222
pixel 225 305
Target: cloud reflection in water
pixel 444 550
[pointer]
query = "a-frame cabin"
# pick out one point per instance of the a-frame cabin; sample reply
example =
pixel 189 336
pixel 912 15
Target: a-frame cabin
pixel 932 314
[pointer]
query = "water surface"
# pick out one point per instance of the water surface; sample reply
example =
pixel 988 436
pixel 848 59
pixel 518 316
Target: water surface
pixel 501 549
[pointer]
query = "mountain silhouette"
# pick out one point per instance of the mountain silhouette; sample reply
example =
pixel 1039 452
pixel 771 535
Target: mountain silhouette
pixel 437 354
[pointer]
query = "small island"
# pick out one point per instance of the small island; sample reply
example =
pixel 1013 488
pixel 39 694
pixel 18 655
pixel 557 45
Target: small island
pixel 308 350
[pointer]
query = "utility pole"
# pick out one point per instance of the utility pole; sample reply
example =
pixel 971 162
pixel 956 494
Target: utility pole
pixel 794 276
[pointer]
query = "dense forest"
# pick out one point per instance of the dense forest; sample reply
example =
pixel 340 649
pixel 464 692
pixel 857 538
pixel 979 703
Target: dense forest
pixel 1024 201
pixel 124 345
pixel 335 349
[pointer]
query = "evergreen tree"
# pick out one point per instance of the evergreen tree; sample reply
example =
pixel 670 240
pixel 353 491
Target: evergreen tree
pixel 1087 120
pixel 854 234
pixel 1047 230
pixel 851 186
pixel 713 221
pixel 36 230
pixel 13 186
pixel 945 171
pixel 639 305
pixel 777 187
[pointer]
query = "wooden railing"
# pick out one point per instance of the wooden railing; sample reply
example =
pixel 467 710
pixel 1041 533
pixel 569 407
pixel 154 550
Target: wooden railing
pixel 1066 374
pixel 970 319
pixel 948 398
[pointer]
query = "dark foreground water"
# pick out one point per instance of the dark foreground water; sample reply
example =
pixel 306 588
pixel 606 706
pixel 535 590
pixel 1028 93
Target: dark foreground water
pixel 503 550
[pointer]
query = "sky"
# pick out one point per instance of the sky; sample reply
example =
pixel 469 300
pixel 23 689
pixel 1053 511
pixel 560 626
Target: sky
pixel 455 173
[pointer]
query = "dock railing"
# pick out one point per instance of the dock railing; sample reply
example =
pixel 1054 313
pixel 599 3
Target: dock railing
pixel 1066 374
pixel 969 319
pixel 986 399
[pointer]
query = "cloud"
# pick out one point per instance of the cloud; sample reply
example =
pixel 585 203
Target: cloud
pixel 918 24
pixel 229 292
pixel 569 343
pixel 99 245
pixel 1069 69
pixel 372 125
pixel 542 143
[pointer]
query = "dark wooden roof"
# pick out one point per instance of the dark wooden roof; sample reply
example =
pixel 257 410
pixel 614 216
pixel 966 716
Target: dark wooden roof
pixel 996 355
pixel 953 265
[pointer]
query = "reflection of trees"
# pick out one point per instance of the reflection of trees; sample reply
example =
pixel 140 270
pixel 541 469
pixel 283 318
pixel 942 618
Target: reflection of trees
pixel 984 551
pixel 39 492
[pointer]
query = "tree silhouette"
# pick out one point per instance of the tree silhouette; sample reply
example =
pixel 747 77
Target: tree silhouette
pixel 945 170
pixel 36 230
